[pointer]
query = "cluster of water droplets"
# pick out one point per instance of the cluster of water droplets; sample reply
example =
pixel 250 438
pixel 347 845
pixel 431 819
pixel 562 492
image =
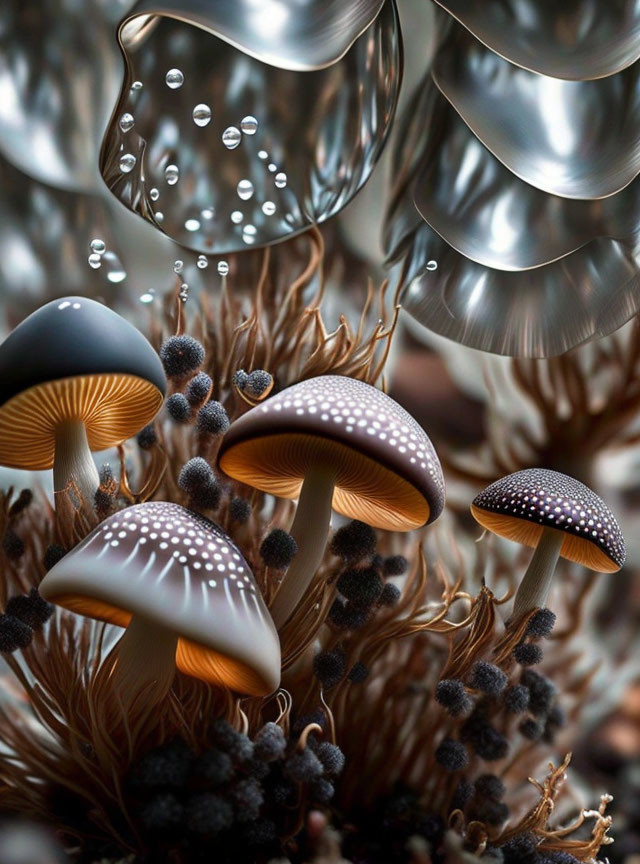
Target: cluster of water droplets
pixel 99 255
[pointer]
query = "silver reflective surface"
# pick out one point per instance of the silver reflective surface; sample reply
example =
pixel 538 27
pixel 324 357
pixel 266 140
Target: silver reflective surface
pixel 317 138
pixel 60 71
pixel 533 313
pixel 576 139
pixel 573 39
pixel 492 217
pixel 290 34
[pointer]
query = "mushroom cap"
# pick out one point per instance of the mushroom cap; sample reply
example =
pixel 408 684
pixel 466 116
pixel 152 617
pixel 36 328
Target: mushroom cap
pixel 178 569
pixel 74 359
pixel 387 471
pixel 521 505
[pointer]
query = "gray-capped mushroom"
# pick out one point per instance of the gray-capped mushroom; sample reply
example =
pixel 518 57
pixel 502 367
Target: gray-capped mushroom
pixel 183 591
pixel 74 377
pixel 334 442
pixel 559 517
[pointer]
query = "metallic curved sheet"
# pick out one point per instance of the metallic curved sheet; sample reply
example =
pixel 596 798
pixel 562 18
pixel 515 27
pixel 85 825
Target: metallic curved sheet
pixel 576 139
pixel 60 70
pixel 573 39
pixel 534 313
pixel 324 129
pixel 492 217
pixel 299 35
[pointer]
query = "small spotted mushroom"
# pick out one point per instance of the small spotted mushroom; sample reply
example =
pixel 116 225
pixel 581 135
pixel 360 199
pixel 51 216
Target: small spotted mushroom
pixel 559 517
pixel 334 442
pixel 183 591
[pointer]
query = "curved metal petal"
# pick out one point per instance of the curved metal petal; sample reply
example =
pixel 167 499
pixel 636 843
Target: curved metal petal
pixel 299 35
pixel 492 217
pixel 576 139
pixel 573 39
pixel 60 71
pixel 319 132
pixel 540 313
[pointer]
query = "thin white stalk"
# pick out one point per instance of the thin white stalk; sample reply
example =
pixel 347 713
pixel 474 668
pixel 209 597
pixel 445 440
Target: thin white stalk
pixel 310 530
pixel 145 660
pixel 74 463
pixel 536 584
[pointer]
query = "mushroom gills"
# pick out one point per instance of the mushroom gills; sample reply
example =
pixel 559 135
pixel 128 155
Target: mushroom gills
pixel 536 584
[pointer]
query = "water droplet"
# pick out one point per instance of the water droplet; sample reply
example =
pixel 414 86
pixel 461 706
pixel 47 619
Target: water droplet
pixel 98 246
pixel 127 162
pixel 115 272
pixel 154 194
pixel 174 79
pixel 432 265
pixel 245 189
pixel 202 262
pixel 178 265
pixel 201 114
pixel 280 180
pixel 172 174
pixel 249 125
pixel 192 225
pixel 159 216
pixel 126 122
pixel 148 296
pixel 249 234
pixel 231 137
pixel 268 208
pixel 237 217
pixel 262 154
pixel 137 85
pixel 95 261
pixel 223 267
pixel 208 213
pixel 272 167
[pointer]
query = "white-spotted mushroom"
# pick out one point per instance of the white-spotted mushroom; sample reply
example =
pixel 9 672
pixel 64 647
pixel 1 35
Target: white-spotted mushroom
pixel 74 377
pixel 334 442
pixel 185 594
pixel 559 517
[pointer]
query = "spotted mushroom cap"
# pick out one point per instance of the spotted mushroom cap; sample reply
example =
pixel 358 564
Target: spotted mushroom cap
pixel 521 505
pixel 180 570
pixel 74 359
pixel 388 473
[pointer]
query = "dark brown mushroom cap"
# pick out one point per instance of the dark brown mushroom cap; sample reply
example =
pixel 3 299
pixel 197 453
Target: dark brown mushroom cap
pixel 387 471
pixel 74 359
pixel 172 566
pixel 521 505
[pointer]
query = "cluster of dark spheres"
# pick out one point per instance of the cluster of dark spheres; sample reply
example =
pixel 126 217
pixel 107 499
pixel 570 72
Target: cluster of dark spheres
pixel 235 801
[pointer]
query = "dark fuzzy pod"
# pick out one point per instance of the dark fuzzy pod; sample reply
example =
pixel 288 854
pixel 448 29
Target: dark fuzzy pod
pixel 332 758
pixel 528 654
pixel 541 623
pixel 516 699
pixel 237 745
pixel 354 541
pixel 214 767
pixel 196 474
pixel 14 634
pixel 239 511
pixel 303 766
pixel 147 437
pixel 269 743
pixel 390 596
pixel 248 797
pixel 12 545
pixel 452 755
pixel 520 850
pixel 258 382
pixel 330 667
pixel 490 786
pixel 199 388
pixel 363 587
pixel 395 565
pixel 32 609
pixel 181 355
pixel 212 419
pixel 163 814
pixel 278 549
pixel 542 692
pixel 53 554
pixel 488 678
pixel 208 815
pixel 163 768
pixel 346 616
pixel 452 695
pixel 358 673
pixel 178 408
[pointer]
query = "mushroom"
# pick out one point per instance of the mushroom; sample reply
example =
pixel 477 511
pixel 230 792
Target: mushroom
pixel 183 591
pixel 74 377
pixel 559 517
pixel 334 442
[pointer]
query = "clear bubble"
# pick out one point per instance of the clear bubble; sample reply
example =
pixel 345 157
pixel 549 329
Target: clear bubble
pixel 126 122
pixel 262 154
pixel 95 261
pixel 245 189
pixel 172 174
pixel 272 167
pixel 137 85
pixel 154 194
pixel 115 271
pixel 231 137
pixel 280 180
pixel 178 265
pixel 148 296
pixel 192 224
pixel 237 217
pixel 432 265
pixel 268 208
pixel 174 79
pixel 223 267
pixel 249 125
pixel 201 114
pixel 249 234
pixel 202 262
pixel 208 213
pixel 98 246
pixel 127 162
pixel 159 217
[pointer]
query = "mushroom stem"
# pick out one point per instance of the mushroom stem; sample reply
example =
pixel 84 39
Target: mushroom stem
pixel 74 463
pixel 145 660
pixel 310 530
pixel 536 584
